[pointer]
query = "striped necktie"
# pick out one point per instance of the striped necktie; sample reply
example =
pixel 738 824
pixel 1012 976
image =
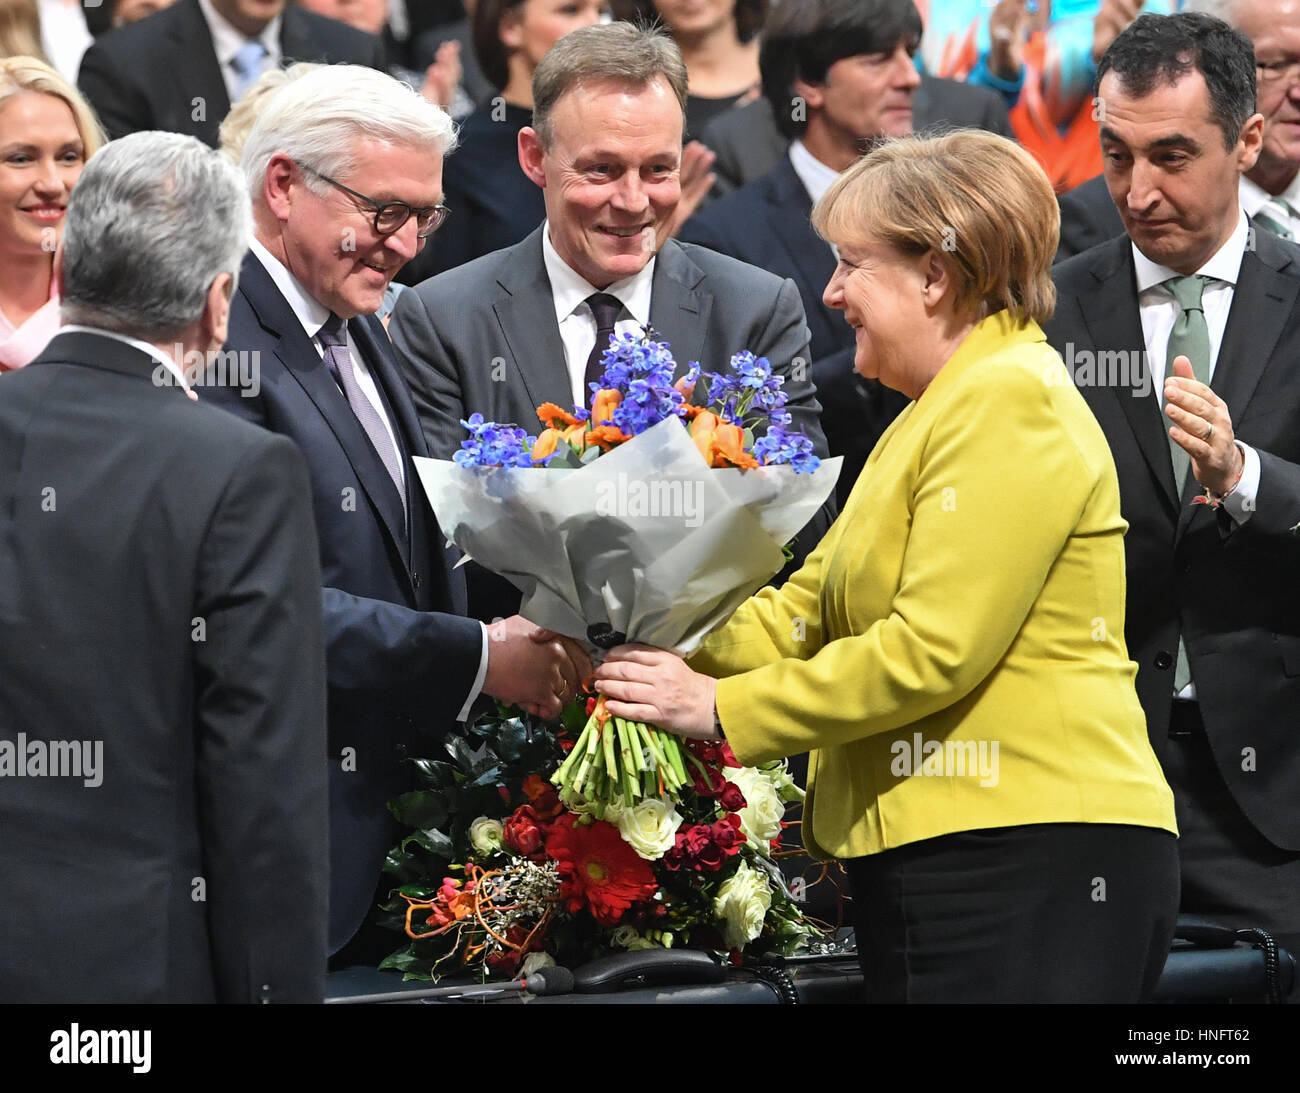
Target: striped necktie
pixel 1277 216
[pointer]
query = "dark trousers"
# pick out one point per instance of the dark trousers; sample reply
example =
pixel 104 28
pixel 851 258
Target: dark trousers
pixel 1033 913
pixel 1230 872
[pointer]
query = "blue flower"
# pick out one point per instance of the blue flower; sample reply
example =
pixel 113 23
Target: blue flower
pixel 493 445
pixel 779 445
pixel 642 369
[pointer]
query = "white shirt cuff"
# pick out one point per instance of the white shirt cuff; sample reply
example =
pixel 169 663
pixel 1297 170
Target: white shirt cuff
pixel 1241 505
pixel 477 687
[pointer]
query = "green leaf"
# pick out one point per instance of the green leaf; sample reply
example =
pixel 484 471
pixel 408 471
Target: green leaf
pixel 435 773
pixel 420 808
pixel 432 840
pixel 490 777
pixel 589 456
pixel 458 748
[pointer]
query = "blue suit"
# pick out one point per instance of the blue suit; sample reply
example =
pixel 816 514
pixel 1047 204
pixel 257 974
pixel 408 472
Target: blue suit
pixel 401 656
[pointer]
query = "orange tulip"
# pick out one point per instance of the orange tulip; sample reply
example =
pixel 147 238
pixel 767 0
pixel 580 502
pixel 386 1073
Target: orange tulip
pixel 544 445
pixel 702 429
pixel 576 434
pixel 728 447
pixel 604 404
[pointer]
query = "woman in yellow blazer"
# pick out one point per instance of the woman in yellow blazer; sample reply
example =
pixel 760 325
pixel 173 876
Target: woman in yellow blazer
pixel 953 652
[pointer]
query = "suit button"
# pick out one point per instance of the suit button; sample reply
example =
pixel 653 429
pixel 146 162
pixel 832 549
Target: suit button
pixel 401 751
pixel 1186 567
pixel 415 579
pixel 1164 660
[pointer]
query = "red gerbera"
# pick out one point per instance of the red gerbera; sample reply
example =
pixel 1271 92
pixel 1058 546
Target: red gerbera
pixel 599 868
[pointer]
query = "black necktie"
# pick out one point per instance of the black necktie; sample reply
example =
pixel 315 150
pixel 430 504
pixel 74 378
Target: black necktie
pixel 605 308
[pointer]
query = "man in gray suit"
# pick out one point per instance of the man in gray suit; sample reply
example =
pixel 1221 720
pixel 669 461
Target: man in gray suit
pixel 526 325
pixel 835 45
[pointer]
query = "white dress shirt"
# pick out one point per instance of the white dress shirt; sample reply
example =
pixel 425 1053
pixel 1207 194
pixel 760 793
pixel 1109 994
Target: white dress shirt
pixel 813 173
pixel 64 36
pixel 1253 199
pixel 227 41
pixel 569 292
pixel 313 315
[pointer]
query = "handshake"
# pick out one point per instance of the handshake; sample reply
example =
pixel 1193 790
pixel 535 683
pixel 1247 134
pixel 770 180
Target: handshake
pixel 537 669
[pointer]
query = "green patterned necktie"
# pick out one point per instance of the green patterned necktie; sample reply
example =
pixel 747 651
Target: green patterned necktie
pixel 1190 338
pixel 1275 216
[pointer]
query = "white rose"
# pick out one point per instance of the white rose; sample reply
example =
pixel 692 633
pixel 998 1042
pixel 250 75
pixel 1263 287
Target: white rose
pixel 649 827
pixel 485 835
pixel 764 810
pixel 778 774
pixel 743 901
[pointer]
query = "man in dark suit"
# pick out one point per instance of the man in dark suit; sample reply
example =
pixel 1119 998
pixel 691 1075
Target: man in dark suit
pixel 162 742
pixel 181 68
pixel 849 66
pixel 1195 310
pixel 804 39
pixel 526 325
pixel 330 232
pixel 1270 190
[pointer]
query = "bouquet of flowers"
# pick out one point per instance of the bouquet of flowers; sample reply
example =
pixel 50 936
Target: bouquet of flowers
pixel 640 518
pixel 500 875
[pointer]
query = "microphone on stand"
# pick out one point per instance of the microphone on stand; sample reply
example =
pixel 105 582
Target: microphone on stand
pixel 550 980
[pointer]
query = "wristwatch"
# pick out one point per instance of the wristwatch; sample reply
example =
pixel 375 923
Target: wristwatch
pixel 717 724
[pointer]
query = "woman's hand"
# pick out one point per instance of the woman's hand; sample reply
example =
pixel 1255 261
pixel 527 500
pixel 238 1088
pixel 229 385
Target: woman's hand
pixel 642 683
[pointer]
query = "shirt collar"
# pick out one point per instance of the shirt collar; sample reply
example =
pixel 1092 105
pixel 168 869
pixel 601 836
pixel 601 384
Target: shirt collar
pixel 813 173
pixel 309 311
pixel 165 359
pixel 1254 198
pixel 569 289
pixel 1224 265
pixel 227 41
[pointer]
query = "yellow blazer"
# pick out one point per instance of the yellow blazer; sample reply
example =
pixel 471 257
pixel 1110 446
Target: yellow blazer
pixel 953 651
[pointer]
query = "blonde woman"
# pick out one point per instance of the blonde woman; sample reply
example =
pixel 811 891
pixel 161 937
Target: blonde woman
pixel 953 652
pixel 47 132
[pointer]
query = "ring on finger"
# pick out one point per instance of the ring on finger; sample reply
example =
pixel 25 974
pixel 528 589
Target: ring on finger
pixel 1208 432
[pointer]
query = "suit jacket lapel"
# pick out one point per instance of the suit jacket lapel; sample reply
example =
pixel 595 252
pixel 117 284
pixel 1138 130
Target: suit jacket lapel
pixel 304 364
pixel 199 77
pixel 526 312
pixel 1113 320
pixel 790 223
pixel 680 306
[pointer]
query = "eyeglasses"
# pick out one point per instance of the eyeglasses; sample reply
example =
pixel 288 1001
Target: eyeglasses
pixel 1272 71
pixel 391 215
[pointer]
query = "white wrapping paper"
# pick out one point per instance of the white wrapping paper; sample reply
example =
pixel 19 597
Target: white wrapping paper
pixel 648 538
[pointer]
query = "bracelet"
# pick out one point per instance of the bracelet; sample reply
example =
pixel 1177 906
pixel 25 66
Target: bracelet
pixel 1214 500
pixel 717 723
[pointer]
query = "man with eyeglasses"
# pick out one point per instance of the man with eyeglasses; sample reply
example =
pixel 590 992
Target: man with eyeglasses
pixel 1270 191
pixel 344 167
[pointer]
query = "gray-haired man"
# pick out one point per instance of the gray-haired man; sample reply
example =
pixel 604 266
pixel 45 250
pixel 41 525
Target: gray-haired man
pixel 162 745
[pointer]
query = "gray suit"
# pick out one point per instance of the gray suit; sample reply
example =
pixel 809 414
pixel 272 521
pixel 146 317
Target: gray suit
pixel 748 143
pixel 483 338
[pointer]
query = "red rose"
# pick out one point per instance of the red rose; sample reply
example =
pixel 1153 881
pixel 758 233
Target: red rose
pixel 708 783
pixel 731 798
pixel 523 832
pixel 727 834
pixel 542 796
pixel 710 857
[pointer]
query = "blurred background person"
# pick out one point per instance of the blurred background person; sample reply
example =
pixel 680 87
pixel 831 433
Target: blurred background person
pixel 64 35
pixel 47 132
pixel 719 42
pixel 1033 856
pixel 428 46
pixel 439 81
pixel 132 11
pixel 181 69
pixel 20 29
pixel 493 203
pixel 843 47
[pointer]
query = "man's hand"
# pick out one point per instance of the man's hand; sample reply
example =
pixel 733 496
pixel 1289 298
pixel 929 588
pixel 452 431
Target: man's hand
pixel 1202 428
pixel 1008 29
pixel 1112 20
pixel 533 668
pixel 696 181
pixel 642 683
